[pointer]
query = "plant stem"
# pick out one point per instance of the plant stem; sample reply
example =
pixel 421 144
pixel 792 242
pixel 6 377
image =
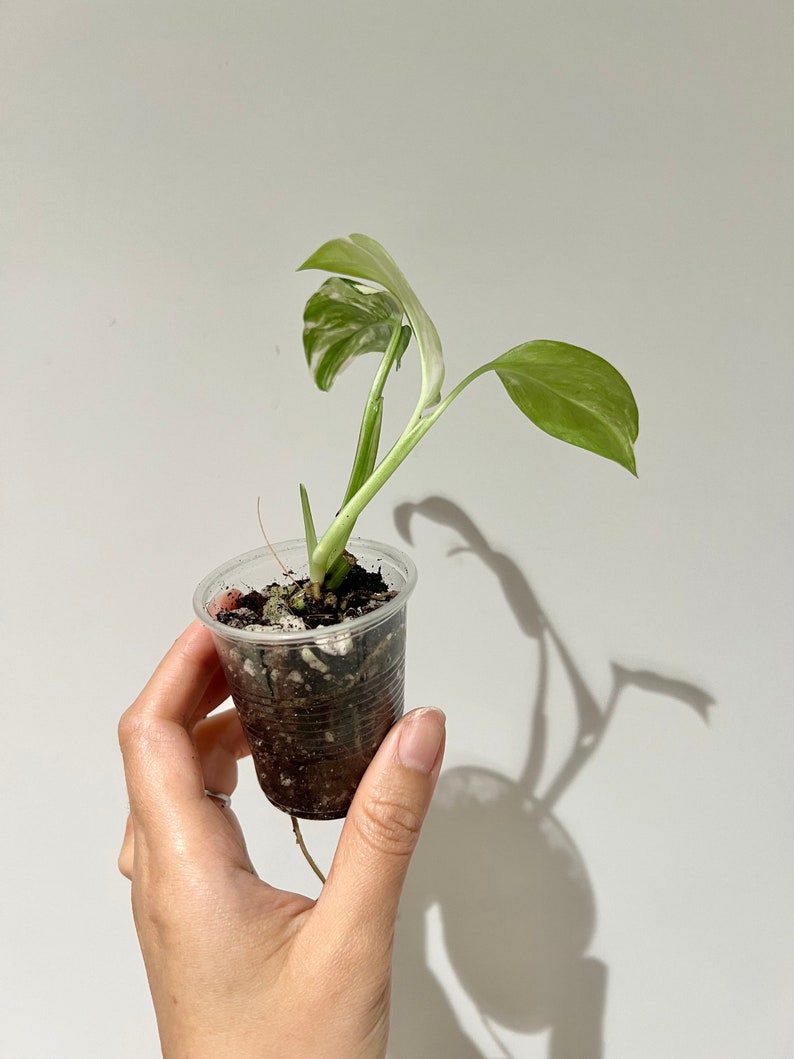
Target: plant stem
pixel 366 451
pixel 364 459
pixel 333 541
pixel 299 839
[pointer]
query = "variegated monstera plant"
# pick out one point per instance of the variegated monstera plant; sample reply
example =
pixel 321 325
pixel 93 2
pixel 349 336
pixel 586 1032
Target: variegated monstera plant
pixel 567 391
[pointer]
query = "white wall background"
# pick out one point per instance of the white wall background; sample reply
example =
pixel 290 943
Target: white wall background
pixel 616 175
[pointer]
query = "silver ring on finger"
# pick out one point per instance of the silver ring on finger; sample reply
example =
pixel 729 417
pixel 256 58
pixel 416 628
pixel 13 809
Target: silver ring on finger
pixel 224 799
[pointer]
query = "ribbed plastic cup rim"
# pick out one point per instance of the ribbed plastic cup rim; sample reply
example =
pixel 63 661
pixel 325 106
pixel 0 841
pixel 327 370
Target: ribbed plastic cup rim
pixel 224 572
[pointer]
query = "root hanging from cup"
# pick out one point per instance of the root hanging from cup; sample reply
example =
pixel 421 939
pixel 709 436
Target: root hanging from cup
pixel 299 839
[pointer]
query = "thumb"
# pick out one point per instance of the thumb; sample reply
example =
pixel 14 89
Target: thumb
pixel 381 831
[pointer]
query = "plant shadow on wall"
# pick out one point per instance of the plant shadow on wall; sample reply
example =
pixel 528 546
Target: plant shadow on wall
pixel 517 938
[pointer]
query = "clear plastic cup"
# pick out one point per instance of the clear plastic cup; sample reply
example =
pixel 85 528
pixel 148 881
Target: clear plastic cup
pixel 315 704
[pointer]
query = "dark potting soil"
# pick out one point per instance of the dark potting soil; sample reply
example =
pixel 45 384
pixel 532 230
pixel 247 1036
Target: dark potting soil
pixel 361 592
pixel 314 714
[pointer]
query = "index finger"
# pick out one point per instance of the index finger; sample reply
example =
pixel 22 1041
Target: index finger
pixel 160 760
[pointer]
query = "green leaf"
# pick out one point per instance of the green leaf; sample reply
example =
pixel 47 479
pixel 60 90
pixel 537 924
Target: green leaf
pixel 364 258
pixel 343 320
pixel 356 255
pixel 308 521
pixel 573 395
pixel 402 344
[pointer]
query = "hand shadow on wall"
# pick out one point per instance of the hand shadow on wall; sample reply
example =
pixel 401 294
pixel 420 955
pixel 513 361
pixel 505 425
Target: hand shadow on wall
pixel 518 935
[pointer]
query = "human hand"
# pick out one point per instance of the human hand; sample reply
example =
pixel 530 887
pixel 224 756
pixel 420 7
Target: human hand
pixel 237 967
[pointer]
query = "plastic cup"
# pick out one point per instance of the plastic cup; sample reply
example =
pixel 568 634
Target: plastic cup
pixel 315 704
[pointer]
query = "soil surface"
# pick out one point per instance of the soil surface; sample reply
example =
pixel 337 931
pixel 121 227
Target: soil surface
pixel 292 606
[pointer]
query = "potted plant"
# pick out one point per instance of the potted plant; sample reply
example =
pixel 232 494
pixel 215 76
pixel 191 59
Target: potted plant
pixel 311 633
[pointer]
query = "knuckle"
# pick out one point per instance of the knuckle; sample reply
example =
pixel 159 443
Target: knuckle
pixel 125 863
pixel 126 856
pixel 130 727
pixel 139 729
pixel 389 824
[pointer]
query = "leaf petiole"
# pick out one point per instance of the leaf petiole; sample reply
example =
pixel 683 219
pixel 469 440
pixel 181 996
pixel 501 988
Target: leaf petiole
pixel 369 432
pixel 333 541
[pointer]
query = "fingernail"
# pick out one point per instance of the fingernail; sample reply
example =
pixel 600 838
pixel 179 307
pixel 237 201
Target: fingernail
pixel 420 739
